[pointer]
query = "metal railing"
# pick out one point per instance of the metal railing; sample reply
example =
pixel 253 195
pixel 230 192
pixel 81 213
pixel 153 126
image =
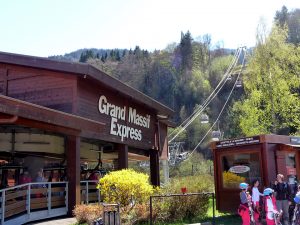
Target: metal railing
pixel 33 201
pixel 89 192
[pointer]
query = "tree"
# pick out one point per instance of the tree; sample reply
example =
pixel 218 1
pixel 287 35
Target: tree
pixel 272 82
pixel 186 50
pixel 281 17
pixel 86 55
pixel 292 21
pixel 294 26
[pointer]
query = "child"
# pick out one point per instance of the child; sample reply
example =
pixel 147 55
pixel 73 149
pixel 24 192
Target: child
pixel 255 200
pixel 243 209
pixel 270 206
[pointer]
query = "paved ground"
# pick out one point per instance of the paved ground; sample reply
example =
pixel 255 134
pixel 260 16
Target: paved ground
pixel 60 221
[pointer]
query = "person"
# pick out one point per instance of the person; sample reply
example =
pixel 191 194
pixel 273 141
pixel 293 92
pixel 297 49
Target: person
pixel 296 214
pixel 243 209
pixel 25 178
pixel 270 206
pixel 94 177
pixel 255 200
pixel 282 197
pixel 39 178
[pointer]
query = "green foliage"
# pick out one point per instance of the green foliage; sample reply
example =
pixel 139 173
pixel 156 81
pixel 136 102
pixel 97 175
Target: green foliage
pixel 194 165
pixel 290 19
pixel 126 187
pixel 185 207
pixel 272 88
pixel 86 55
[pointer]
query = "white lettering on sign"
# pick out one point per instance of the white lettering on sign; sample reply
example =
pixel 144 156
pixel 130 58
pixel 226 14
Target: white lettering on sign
pixel 119 113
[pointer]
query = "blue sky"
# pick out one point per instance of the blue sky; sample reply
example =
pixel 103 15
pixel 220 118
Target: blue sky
pixel 53 27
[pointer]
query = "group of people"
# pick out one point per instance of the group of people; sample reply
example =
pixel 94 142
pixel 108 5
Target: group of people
pixel 276 201
pixel 26 178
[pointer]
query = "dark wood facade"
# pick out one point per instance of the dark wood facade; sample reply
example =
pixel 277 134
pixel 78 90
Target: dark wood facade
pixel 260 157
pixel 63 97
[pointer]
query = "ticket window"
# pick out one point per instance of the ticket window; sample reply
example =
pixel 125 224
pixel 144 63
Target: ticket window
pixel 238 168
pixel 290 161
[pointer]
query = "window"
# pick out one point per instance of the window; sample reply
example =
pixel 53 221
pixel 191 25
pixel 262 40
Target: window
pixel 240 167
pixel 290 160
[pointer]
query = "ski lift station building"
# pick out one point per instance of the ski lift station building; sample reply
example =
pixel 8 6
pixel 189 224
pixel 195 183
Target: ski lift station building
pixel 62 116
pixel 248 159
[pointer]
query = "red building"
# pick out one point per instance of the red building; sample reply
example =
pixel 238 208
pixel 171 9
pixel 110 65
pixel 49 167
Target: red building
pixel 66 114
pixel 247 159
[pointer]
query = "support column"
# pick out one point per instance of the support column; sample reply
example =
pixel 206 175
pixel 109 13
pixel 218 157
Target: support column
pixel 122 156
pixel 154 167
pixel 73 171
pixel 165 165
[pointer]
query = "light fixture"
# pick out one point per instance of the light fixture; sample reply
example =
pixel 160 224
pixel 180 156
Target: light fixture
pixel 162 117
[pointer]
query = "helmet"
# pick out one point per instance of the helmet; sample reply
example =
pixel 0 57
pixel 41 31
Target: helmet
pixel 243 186
pixel 268 191
pixel 297 199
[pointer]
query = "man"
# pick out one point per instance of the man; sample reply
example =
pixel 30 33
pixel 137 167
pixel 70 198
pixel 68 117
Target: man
pixel 282 197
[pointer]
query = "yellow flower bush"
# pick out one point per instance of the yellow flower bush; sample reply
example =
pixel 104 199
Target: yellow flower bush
pixel 231 180
pixel 125 187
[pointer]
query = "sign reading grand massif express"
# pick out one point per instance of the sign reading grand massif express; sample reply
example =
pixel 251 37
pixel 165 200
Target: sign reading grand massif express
pixel 118 113
pixel 237 142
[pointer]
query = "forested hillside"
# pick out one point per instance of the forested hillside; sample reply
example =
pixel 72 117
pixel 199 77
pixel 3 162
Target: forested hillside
pixel 183 75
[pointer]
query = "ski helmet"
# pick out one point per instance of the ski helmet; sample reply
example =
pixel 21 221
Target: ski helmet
pixel 297 198
pixel 243 186
pixel 268 191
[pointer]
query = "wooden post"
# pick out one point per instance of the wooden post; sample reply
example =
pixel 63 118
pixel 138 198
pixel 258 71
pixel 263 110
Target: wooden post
pixel 122 156
pixel 154 167
pixel 73 171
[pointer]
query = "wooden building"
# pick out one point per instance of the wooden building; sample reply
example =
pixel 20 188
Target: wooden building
pixel 73 113
pixel 247 159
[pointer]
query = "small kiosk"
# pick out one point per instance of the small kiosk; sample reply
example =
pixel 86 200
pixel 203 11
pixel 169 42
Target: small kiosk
pixel 246 159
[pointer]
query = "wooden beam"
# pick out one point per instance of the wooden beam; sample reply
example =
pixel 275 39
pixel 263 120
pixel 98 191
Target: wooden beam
pixel 154 167
pixel 73 171
pixel 122 156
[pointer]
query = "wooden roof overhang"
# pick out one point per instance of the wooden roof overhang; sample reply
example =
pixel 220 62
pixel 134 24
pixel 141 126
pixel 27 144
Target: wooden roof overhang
pixel 89 72
pixel 14 111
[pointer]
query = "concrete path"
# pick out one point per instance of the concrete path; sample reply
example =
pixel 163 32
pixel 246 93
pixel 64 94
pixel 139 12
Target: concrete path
pixel 60 221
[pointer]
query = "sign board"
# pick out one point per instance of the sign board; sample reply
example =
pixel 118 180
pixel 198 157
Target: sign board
pixel 126 122
pixel 295 140
pixel 237 142
pixel 239 169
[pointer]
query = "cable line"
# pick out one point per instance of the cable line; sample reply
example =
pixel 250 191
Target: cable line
pixel 225 76
pixel 214 94
pixel 243 63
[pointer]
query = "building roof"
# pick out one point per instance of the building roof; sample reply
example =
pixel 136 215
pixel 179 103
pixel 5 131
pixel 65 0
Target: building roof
pixel 26 113
pixel 85 70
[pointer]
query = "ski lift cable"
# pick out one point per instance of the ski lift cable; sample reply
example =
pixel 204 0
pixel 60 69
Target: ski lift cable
pixel 196 115
pixel 200 110
pixel 207 101
pixel 221 109
pixel 225 76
